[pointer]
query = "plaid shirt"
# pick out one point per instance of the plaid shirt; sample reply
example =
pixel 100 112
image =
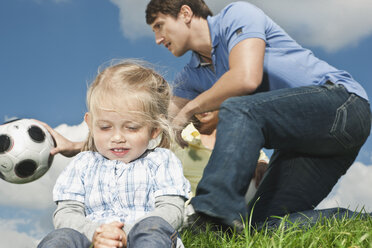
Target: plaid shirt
pixel 112 190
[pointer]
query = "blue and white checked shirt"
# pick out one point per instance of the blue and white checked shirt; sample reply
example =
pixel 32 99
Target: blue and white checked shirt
pixel 112 190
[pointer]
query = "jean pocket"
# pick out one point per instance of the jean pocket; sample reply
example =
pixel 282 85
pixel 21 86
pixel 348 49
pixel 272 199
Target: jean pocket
pixel 352 123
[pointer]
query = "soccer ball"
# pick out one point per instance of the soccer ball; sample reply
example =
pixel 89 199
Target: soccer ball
pixel 24 151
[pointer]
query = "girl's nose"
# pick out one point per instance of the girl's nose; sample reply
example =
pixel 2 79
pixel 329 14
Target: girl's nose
pixel 118 137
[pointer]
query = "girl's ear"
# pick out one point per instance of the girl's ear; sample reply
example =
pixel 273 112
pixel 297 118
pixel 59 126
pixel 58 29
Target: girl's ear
pixel 155 133
pixel 88 119
pixel 155 139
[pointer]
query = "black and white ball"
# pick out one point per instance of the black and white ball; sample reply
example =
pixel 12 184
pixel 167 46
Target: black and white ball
pixel 24 151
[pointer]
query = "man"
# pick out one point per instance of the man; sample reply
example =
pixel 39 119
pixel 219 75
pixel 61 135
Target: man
pixel 271 93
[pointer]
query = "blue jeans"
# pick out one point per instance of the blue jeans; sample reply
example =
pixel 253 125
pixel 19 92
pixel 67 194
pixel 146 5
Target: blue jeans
pixel 316 132
pixel 64 237
pixel 151 232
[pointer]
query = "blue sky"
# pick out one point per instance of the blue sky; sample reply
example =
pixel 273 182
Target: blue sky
pixel 51 49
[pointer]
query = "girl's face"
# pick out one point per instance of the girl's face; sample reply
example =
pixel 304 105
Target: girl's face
pixel 119 136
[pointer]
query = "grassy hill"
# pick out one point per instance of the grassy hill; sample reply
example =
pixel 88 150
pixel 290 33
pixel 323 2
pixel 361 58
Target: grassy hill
pixel 351 233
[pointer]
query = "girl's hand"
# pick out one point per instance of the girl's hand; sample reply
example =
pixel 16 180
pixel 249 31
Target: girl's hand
pixel 110 235
pixel 63 146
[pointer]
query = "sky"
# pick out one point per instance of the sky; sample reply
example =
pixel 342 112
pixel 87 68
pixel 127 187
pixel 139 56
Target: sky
pixel 50 51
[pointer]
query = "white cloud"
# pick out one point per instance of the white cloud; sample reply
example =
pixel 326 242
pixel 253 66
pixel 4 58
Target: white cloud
pixel 132 18
pixel 40 191
pixel 329 24
pixel 10 237
pixel 353 190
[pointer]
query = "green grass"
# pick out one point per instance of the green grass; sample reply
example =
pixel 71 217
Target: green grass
pixel 350 233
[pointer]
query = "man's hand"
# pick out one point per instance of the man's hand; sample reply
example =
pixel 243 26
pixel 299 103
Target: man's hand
pixel 179 123
pixel 110 235
pixel 63 146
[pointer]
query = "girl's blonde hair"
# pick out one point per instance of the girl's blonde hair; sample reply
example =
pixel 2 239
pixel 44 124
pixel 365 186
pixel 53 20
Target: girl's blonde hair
pixel 144 92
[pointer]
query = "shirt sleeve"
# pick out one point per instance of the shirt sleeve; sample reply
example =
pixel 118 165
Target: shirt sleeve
pixel 240 21
pixel 69 184
pixel 169 178
pixel 70 214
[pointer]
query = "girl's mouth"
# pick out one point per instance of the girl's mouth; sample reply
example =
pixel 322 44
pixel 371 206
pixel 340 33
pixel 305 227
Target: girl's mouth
pixel 119 152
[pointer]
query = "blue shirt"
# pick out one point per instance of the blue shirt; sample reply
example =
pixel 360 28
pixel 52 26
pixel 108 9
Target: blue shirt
pixel 114 191
pixel 286 63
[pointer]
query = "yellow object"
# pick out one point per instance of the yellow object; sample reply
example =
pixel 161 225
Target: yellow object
pixel 195 157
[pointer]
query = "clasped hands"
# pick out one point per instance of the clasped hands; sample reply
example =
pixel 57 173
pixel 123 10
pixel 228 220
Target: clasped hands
pixel 110 235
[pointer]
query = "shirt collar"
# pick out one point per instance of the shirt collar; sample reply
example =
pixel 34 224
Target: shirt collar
pixel 195 60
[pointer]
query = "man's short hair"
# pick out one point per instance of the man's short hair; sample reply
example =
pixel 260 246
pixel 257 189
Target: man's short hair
pixel 173 7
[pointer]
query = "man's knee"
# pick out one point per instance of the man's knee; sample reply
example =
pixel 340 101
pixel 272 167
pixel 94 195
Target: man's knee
pixel 231 103
pixel 249 106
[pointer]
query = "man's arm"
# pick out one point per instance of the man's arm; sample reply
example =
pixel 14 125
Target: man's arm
pixel 176 104
pixel 243 78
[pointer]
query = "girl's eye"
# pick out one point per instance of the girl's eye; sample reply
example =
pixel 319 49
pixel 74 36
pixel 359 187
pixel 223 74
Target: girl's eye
pixel 133 128
pixel 105 128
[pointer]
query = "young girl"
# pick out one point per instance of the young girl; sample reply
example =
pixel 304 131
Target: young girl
pixel 127 189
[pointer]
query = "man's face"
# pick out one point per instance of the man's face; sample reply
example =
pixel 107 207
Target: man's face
pixel 172 33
